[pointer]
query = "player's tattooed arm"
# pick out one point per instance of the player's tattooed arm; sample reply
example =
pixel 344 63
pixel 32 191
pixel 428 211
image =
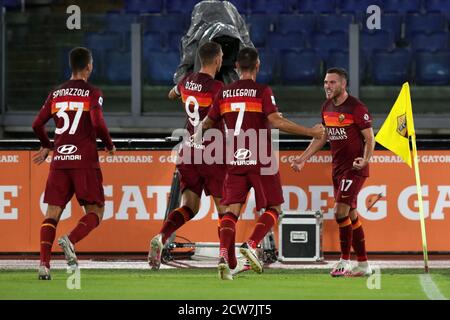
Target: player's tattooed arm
pixel 369 146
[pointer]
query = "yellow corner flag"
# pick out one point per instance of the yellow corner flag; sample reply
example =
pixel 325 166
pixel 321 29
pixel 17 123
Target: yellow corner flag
pixel 394 135
pixel 398 127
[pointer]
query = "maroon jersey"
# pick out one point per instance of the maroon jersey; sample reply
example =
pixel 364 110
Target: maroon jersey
pixel 244 105
pixel 197 91
pixel 76 108
pixel 344 124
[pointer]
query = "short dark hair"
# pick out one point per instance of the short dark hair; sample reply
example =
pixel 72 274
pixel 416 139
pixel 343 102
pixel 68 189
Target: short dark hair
pixel 208 52
pixel 247 59
pixel 79 58
pixel 339 71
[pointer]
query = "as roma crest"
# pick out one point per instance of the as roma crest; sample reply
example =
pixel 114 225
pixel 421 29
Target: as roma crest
pixel 401 125
pixel 341 117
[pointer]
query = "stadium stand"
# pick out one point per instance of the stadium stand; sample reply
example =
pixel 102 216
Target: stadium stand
pixel 433 68
pixel 391 67
pixel 316 6
pixel 301 68
pixel 414 30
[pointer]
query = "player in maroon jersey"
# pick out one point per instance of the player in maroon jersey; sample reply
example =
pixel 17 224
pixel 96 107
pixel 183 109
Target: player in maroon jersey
pixel 249 109
pixel 349 131
pixel 76 108
pixel 197 91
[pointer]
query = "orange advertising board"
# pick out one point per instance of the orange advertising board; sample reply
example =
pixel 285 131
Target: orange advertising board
pixel 137 186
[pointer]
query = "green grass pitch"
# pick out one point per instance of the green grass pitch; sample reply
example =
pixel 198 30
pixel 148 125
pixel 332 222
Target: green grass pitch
pixel 203 284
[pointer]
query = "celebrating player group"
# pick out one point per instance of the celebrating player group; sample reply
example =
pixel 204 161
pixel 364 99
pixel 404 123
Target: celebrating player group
pixel 236 119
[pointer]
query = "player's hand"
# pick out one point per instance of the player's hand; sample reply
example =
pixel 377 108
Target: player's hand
pixel 318 131
pixel 360 163
pixel 41 155
pixel 112 151
pixel 297 165
pixel 197 137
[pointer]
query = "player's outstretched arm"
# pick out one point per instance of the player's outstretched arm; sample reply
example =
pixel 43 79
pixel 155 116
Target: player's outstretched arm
pixel 277 120
pixel 369 146
pixel 314 146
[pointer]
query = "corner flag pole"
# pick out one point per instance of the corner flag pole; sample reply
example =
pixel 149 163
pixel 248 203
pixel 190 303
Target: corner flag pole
pixel 419 197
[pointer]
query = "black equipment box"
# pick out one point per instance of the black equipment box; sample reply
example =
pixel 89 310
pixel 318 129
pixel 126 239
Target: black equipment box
pixel 300 236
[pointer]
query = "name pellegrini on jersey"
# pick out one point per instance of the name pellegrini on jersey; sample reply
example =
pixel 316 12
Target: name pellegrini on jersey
pixel 336 133
pixel 239 93
pixel 71 92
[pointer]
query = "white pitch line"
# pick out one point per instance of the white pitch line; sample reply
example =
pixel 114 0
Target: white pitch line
pixel 430 288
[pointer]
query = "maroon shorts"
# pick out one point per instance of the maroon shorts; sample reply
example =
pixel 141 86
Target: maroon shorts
pixel 199 177
pixel 87 184
pixel 268 191
pixel 347 186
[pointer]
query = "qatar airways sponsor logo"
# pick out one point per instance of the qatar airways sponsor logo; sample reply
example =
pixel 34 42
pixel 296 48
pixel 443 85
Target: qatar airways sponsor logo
pixel 336 133
pixel 71 92
pixel 242 155
pixel 66 152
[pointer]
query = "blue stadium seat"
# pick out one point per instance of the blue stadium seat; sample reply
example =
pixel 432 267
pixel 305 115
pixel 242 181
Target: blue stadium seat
pixel 174 41
pixel 162 66
pixel 291 41
pixel 296 23
pixel 259 26
pixel 301 68
pixel 11 4
pixel 152 41
pixel 323 43
pixel 268 66
pixel 103 41
pixel 241 5
pixel 273 6
pixel 356 7
pixel 431 22
pixel 442 6
pixel 118 67
pixel 433 68
pixel 317 6
pixel 144 6
pixel 375 40
pixel 391 22
pixel 400 6
pixel 333 22
pixel 167 23
pixel 181 6
pixel 430 42
pixel 391 67
pixel 116 22
pixel 340 59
